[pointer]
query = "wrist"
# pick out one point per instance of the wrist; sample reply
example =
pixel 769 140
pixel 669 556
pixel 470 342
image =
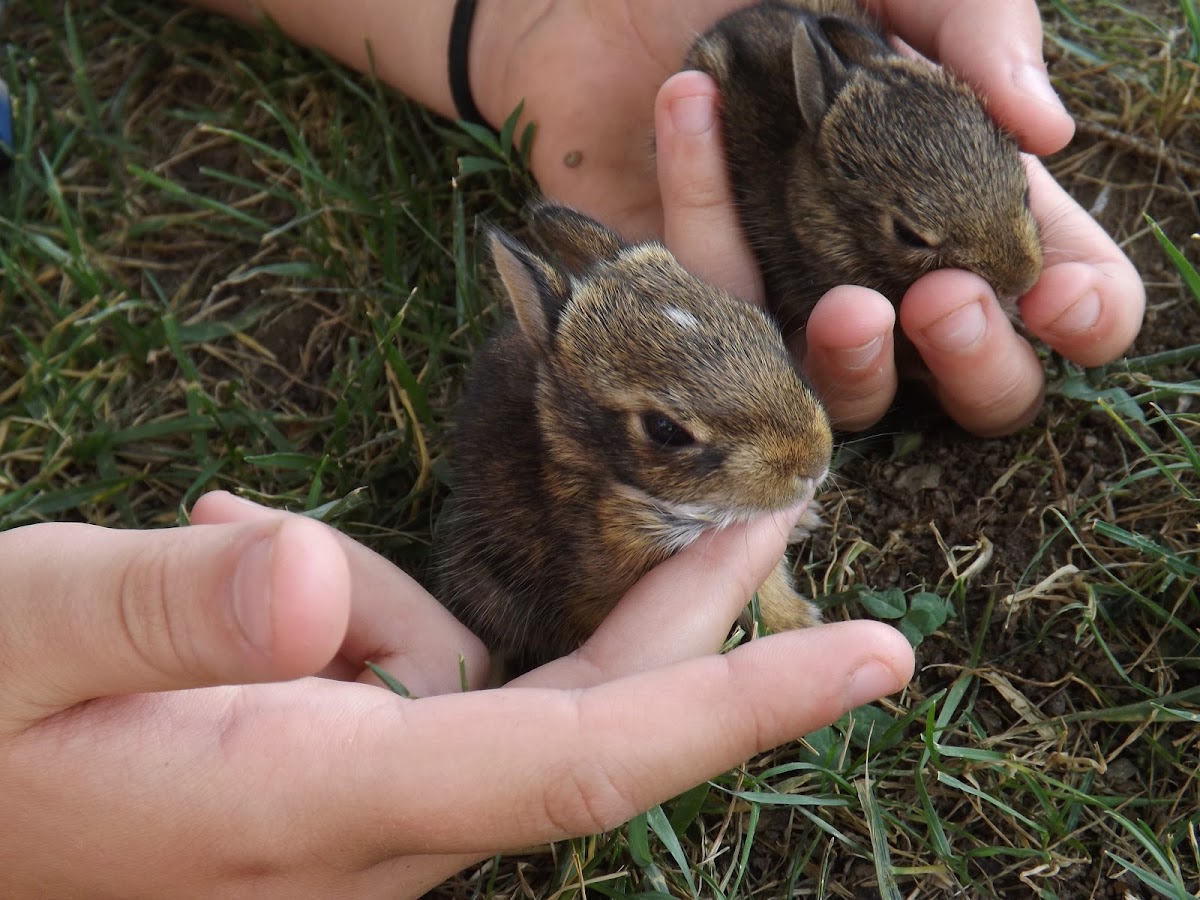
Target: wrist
pixel 497 33
pixel 405 45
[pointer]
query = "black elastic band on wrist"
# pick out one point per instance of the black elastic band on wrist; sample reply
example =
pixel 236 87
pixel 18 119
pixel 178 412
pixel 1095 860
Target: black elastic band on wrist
pixel 460 78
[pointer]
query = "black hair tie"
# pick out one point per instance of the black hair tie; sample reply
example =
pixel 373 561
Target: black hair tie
pixel 460 78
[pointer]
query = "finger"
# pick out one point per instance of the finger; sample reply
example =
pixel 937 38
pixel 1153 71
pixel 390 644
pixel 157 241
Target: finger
pixel 93 612
pixel 848 355
pixel 478 772
pixel 682 608
pixel 1089 302
pixel 985 375
pixel 997 47
pixel 532 765
pixel 700 226
pixel 394 622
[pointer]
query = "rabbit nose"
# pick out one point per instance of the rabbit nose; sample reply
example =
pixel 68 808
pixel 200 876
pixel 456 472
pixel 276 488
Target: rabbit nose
pixel 806 483
pixel 811 468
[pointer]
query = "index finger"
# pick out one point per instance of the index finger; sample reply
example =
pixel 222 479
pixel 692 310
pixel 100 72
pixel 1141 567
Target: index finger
pixel 683 607
pixel 531 765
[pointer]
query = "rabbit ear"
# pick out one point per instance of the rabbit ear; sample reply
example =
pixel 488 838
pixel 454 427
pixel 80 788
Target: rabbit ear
pixel 578 242
pixel 823 53
pixel 854 43
pixel 537 290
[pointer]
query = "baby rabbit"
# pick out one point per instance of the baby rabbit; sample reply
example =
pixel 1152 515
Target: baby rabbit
pixel 851 164
pixel 626 408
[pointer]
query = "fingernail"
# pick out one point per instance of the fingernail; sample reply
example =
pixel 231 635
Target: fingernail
pixel 252 593
pixel 692 115
pixel 1033 81
pixel 859 357
pixel 869 682
pixel 249 504
pixel 1079 316
pixel 959 329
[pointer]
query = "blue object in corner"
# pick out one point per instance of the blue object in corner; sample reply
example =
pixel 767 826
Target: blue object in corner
pixel 6 125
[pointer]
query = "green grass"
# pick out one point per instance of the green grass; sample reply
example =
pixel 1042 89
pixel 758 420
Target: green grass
pixel 228 263
pixel 258 281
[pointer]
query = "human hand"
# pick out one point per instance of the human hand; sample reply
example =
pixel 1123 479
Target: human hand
pixel 1088 303
pixel 321 787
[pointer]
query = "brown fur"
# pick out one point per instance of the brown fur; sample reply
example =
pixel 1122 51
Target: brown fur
pixel 837 146
pixel 562 499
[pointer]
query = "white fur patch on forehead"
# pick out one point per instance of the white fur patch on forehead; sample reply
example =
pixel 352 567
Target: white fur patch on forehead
pixel 680 317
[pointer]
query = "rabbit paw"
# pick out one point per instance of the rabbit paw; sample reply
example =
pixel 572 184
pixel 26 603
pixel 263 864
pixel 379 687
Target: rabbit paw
pixel 809 522
pixel 780 607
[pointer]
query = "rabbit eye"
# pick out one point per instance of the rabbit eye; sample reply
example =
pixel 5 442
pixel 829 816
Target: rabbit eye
pixel 908 236
pixel 666 432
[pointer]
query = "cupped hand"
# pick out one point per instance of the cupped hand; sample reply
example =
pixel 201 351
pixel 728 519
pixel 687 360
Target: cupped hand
pixel 1088 303
pixel 149 744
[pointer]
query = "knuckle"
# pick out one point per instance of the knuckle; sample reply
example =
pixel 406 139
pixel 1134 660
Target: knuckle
pixel 146 616
pixel 1007 404
pixel 585 798
pixel 590 791
pixel 701 192
pixel 859 400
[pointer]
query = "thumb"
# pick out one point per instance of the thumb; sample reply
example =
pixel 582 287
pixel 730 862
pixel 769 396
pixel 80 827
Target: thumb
pixel 92 612
pixel 700 223
pixel 997 47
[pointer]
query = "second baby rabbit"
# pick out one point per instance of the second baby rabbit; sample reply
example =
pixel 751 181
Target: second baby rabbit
pixel 852 164
pixel 626 408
